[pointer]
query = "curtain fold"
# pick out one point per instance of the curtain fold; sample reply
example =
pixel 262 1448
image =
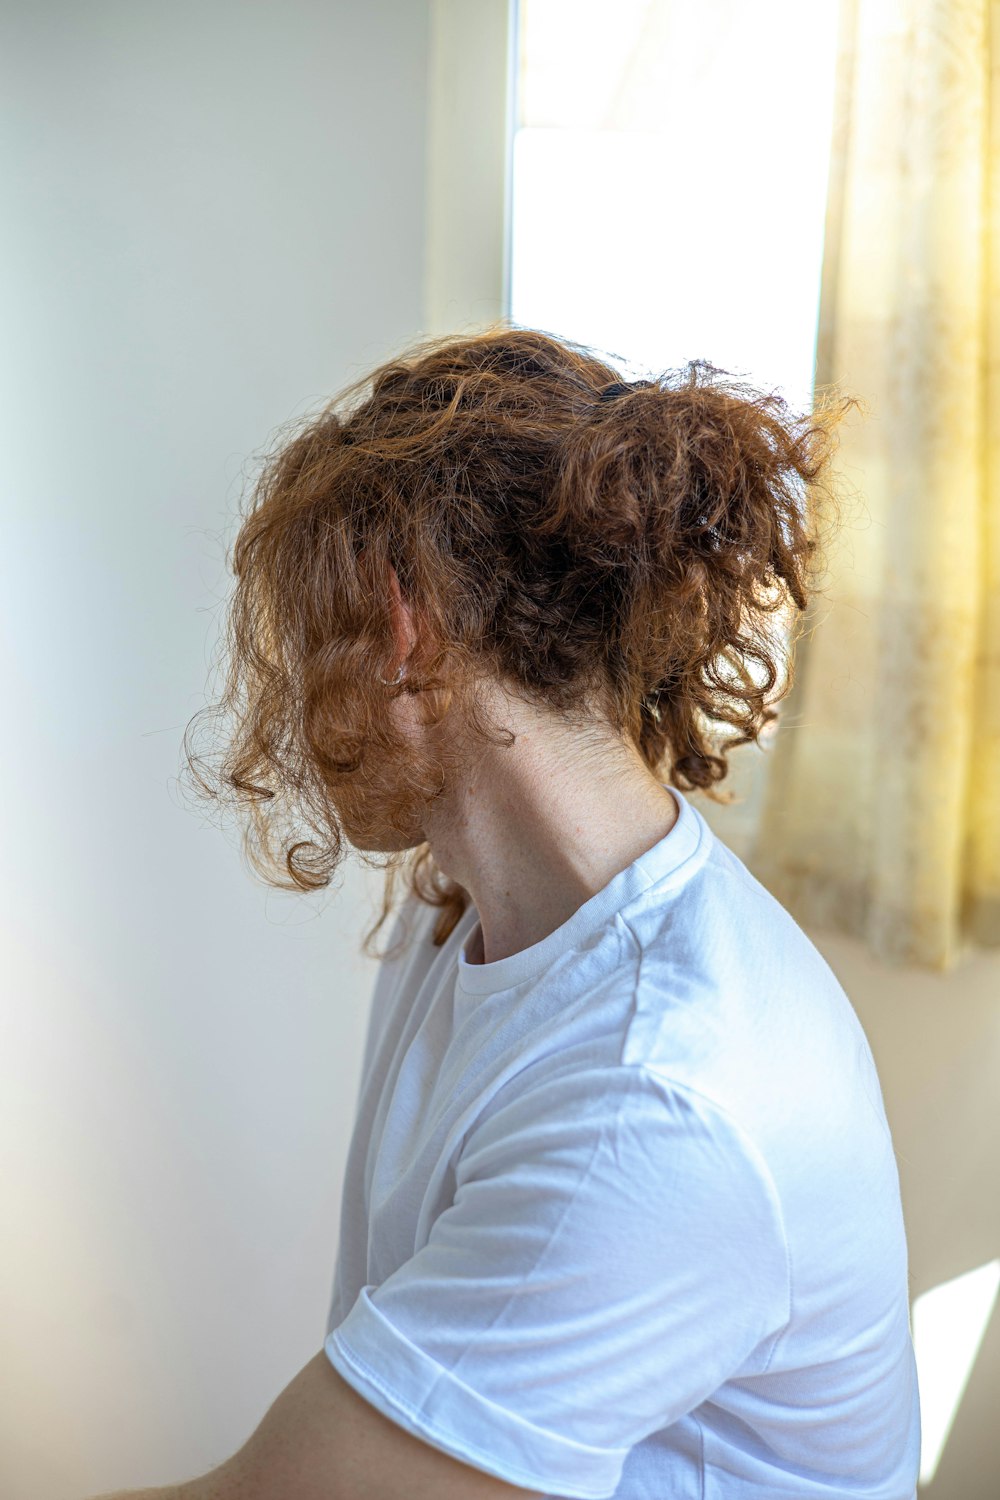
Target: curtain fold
pixel 880 805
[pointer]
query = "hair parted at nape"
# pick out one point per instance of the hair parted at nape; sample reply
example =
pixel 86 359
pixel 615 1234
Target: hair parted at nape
pixel 626 555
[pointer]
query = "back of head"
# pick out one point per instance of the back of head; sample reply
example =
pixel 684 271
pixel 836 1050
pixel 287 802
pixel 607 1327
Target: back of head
pixel 624 551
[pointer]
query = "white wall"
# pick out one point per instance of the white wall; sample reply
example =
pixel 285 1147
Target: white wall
pixel 213 217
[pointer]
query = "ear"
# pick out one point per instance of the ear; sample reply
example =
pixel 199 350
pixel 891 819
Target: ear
pixel 403 627
pixel 404 631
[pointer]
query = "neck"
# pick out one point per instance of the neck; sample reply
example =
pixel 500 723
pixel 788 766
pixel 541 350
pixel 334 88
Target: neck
pixel 538 828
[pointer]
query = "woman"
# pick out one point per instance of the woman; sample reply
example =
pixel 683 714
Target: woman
pixel 621 1213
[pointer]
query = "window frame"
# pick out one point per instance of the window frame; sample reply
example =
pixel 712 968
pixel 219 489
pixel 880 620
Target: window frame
pixel 471 105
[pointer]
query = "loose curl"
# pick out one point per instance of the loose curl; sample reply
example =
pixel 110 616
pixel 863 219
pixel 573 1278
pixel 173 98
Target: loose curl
pixel 632 557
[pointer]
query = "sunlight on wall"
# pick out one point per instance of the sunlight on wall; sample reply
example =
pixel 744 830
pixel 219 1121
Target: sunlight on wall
pixel 670 170
pixel 949 1323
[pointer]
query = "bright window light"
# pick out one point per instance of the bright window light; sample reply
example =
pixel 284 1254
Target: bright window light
pixel 669 179
pixel 949 1323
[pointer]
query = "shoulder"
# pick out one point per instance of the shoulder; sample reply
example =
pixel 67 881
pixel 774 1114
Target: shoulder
pixel 731 996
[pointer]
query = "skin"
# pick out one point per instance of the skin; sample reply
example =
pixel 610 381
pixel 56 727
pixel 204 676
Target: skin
pixel 321 1440
pixel 529 835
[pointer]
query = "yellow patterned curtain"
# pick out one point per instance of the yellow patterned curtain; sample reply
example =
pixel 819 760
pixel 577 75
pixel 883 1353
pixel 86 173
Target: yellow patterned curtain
pixel 880 804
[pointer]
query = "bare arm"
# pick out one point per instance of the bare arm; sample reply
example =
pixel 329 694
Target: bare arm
pixel 321 1440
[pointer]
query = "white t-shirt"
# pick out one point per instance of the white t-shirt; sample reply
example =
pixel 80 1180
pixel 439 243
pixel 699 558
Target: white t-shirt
pixel 621 1212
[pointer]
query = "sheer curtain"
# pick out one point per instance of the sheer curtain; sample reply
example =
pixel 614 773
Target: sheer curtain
pixel 878 799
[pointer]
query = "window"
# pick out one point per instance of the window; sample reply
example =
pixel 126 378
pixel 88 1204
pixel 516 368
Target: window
pixel 669 178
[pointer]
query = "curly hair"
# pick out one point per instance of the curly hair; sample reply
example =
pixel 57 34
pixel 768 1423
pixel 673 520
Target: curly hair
pixel 628 550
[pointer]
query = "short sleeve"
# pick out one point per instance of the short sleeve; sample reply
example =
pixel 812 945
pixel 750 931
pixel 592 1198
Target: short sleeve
pixel 613 1253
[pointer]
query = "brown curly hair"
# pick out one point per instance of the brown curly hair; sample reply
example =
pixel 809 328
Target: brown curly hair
pixel 625 550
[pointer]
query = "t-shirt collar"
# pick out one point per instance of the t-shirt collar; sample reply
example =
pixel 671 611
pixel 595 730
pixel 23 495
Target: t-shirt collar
pixel 665 864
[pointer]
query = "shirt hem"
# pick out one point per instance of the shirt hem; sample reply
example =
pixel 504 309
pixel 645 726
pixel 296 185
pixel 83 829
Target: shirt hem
pixel 526 1454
